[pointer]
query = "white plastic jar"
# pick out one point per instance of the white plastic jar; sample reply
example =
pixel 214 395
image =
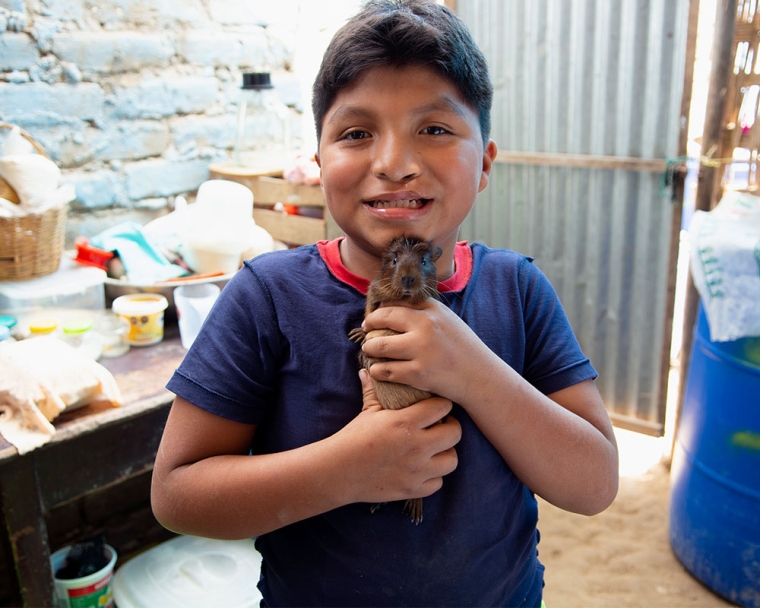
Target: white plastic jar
pixel 145 313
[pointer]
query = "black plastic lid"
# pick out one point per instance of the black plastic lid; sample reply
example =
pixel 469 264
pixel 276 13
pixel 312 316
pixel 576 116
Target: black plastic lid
pixel 257 80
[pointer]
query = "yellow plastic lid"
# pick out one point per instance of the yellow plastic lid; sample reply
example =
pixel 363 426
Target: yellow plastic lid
pixel 43 325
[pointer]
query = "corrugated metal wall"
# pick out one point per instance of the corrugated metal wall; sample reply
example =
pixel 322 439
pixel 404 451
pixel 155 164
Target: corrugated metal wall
pixel 589 77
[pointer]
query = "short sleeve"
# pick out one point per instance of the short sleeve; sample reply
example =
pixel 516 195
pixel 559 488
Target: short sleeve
pixel 231 368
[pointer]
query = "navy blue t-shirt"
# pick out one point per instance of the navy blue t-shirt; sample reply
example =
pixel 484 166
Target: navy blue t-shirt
pixel 275 352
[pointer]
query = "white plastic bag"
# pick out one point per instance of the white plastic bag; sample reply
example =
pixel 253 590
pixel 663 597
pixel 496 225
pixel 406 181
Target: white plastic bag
pixel 725 265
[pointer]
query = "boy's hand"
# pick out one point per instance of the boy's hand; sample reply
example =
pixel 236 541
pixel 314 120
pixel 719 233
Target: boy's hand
pixel 369 397
pixel 402 453
pixel 434 351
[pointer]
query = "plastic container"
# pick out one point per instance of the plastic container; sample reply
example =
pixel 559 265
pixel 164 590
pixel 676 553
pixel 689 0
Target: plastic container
pixel 7 324
pixel 193 302
pixel 190 572
pixel 219 225
pixel 79 333
pixel 113 330
pixel 207 257
pixel 93 591
pixel 263 131
pixel 145 313
pixel 42 326
pixel 715 474
pixel 71 286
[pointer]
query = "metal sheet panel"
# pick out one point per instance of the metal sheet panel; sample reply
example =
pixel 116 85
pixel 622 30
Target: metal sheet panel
pixel 600 78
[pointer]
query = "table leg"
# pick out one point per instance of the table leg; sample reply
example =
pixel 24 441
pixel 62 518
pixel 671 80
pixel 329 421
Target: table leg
pixel 27 532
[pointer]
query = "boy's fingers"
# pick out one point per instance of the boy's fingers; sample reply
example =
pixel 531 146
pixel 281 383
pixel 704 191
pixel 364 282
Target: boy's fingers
pixel 432 411
pixel 391 316
pixel 369 397
pixel 449 459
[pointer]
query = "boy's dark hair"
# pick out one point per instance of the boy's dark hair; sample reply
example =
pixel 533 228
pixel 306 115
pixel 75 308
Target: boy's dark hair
pixel 402 33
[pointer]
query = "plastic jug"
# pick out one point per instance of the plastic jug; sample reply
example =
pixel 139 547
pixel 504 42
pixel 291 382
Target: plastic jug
pixel 263 130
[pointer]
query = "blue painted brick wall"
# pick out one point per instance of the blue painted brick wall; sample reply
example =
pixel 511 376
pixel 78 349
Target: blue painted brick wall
pixel 133 100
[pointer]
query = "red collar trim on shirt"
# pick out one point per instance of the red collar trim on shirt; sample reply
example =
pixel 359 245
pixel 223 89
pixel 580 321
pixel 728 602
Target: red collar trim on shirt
pixel 330 253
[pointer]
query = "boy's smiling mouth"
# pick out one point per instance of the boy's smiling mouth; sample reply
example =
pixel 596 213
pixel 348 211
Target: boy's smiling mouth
pixel 408 203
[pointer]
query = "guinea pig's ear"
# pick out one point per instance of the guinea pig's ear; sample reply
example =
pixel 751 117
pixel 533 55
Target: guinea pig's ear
pixel 435 253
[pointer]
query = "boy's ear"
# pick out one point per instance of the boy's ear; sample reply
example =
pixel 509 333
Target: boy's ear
pixel 489 156
pixel 316 159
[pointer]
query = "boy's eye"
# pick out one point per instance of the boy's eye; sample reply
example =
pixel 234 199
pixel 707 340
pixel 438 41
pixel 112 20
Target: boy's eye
pixel 434 130
pixel 356 135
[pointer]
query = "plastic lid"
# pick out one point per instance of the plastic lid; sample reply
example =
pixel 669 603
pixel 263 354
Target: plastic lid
pixel 257 80
pixel 43 325
pixel 77 326
pixel 191 572
pixel 5 332
pixel 139 304
pixel 70 278
pixel 7 321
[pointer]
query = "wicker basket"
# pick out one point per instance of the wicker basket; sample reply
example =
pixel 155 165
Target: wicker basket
pixel 30 245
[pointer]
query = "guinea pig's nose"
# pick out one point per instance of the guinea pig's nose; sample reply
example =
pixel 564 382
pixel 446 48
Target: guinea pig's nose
pixel 408 281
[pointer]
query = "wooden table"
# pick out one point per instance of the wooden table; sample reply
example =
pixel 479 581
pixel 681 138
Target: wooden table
pixel 93 447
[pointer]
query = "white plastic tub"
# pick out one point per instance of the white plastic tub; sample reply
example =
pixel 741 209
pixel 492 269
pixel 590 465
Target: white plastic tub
pixel 191 572
pixel 71 286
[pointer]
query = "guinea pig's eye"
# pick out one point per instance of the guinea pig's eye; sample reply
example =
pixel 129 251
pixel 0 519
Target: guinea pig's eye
pixel 395 261
pixel 424 262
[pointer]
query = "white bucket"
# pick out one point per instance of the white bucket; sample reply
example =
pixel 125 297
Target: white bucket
pixel 92 591
pixel 228 201
pixel 218 229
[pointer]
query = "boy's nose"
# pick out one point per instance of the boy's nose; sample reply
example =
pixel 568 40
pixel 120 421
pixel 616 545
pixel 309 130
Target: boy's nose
pixel 396 160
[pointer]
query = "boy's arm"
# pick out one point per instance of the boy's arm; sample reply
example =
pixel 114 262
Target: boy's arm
pixel 205 483
pixel 561 446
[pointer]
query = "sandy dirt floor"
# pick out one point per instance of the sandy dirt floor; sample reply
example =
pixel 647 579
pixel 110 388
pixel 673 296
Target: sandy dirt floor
pixel 622 557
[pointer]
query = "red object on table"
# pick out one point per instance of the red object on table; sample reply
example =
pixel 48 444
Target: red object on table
pixel 89 255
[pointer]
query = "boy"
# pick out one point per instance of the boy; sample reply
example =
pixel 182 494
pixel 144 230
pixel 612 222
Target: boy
pixel 401 105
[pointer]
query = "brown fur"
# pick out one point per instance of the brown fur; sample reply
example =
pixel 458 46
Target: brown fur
pixel 407 274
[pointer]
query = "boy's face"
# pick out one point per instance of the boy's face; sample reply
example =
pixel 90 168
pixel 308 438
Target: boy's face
pixel 401 153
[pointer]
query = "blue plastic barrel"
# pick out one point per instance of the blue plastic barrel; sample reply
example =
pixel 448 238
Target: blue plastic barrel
pixel 715 474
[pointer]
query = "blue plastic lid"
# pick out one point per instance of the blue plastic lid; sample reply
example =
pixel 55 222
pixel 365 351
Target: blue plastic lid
pixel 7 320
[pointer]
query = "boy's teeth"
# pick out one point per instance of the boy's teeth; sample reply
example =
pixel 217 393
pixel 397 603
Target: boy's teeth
pixel 402 204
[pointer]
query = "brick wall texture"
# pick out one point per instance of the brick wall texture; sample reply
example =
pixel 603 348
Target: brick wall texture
pixel 134 99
